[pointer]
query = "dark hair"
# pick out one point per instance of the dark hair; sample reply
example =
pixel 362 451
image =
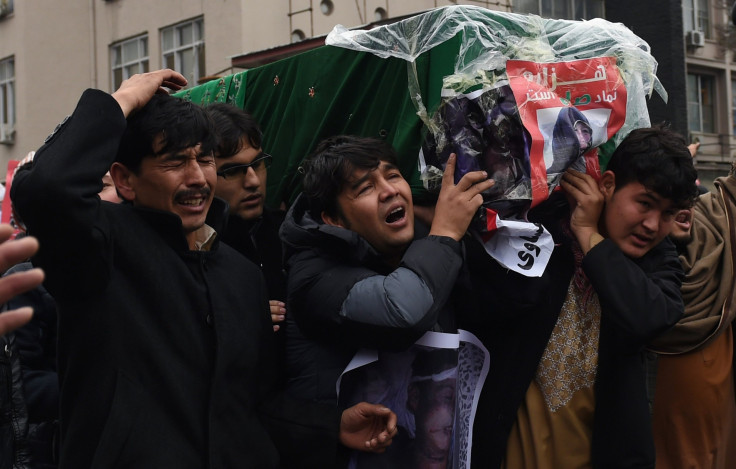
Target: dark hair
pixel 231 125
pixel 333 161
pixel 181 124
pixel 657 158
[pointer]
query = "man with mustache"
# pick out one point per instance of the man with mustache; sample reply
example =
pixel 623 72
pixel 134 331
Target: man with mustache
pixel 165 350
pixel 694 419
pixel 242 171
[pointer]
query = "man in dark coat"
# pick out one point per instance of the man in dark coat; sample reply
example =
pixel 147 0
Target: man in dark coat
pixel 164 334
pixel 566 386
pixel 13 413
pixel 242 171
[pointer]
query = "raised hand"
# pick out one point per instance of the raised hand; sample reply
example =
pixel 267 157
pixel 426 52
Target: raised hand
pixel 457 204
pixel 586 200
pixel 12 252
pixel 137 90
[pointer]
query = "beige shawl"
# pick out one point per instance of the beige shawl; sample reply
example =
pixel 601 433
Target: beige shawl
pixel 708 290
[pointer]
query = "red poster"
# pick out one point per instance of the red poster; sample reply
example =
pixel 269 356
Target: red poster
pixel 7 211
pixel 568 108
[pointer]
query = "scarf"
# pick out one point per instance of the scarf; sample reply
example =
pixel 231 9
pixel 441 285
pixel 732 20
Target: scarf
pixel 708 290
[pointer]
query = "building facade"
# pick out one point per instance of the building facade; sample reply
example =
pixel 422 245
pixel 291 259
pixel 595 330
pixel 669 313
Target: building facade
pixel 710 38
pixel 48 56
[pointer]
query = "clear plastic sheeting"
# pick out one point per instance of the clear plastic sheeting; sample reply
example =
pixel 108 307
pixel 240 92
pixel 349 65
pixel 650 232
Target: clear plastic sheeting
pixel 490 38
pixel 528 98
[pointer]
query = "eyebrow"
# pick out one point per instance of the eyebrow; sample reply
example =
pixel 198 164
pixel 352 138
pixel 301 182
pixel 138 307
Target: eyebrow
pixel 382 165
pixel 360 181
pixel 654 197
pixel 181 154
pixel 174 157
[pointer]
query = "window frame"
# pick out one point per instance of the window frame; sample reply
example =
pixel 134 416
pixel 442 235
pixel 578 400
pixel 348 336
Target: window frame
pixel 733 107
pixel 6 8
pixel 142 61
pixel 7 100
pixel 565 9
pixel 699 102
pixel 176 51
pixel 696 16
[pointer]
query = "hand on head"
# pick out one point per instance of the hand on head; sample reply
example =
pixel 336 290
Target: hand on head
pixel 586 201
pixel 137 90
pixel 458 203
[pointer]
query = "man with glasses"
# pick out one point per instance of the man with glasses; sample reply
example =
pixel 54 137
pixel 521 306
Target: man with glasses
pixel 252 228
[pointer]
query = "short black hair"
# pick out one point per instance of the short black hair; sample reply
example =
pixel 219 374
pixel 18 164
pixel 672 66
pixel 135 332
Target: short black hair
pixel 231 125
pixel 329 167
pixel 181 124
pixel 657 158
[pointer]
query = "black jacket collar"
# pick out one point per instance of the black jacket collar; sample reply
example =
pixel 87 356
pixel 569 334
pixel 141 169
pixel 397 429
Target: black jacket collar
pixel 168 224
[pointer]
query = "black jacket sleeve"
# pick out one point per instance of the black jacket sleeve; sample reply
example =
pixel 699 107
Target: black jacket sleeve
pixel 57 198
pixel 641 298
pixel 351 304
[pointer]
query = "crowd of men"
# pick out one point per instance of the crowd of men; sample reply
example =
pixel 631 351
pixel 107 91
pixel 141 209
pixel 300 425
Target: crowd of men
pixel 198 328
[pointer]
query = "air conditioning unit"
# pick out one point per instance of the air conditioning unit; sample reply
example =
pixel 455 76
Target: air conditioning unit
pixel 7 134
pixel 695 39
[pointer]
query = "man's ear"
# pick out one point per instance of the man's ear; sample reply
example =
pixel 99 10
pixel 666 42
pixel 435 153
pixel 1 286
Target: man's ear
pixel 334 221
pixel 607 184
pixel 124 181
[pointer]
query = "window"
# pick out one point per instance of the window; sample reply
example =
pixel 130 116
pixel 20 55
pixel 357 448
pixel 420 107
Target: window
pixel 128 58
pixel 6 7
pixel 700 99
pixel 563 9
pixel 733 107
pixel 7 100
pixel 182 46
pixel 695 16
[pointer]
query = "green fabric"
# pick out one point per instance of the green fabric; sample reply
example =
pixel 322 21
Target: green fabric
pixel 303 99
pixel 211 92
pixel 345 90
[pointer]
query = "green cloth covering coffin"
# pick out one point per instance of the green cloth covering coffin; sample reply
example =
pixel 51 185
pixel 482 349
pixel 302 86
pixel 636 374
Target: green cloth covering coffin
pixel 387 82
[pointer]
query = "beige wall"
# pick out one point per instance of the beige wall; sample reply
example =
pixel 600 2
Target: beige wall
pixel 52 63
pixel 60 49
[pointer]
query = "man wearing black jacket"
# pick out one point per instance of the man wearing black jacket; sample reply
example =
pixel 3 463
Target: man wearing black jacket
pixel 164 349
pixel 566 387
pixel 242 171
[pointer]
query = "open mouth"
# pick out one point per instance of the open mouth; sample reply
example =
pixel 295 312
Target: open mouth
pixel 192 202
pixel 396 214
pixel 683 217
pixel 193 198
